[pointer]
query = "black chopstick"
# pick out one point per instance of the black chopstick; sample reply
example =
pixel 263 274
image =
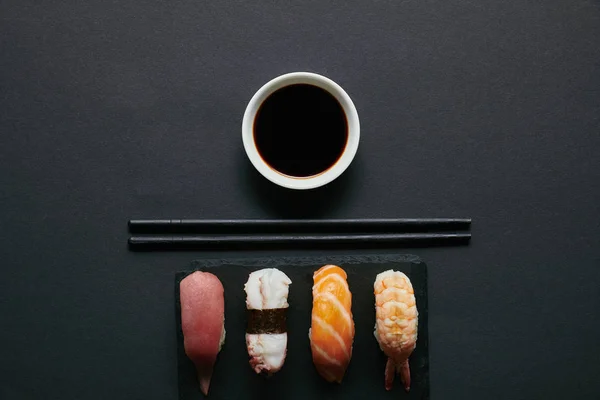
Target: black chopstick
pixel 261 226
pixel 232 242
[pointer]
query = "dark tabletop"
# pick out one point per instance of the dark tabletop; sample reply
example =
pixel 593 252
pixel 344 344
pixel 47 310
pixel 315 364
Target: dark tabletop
pixel 111 110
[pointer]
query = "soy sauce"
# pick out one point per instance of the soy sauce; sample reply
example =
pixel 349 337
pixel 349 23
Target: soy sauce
pixel 300 130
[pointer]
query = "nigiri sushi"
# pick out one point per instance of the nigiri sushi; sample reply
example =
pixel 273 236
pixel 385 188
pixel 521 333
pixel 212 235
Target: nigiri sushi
pixel 396 323
pixel 266 333
pixel 332 326
pixel 202 322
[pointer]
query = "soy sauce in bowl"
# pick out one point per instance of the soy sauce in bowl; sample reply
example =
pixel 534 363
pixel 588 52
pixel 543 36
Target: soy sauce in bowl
pixel 300 130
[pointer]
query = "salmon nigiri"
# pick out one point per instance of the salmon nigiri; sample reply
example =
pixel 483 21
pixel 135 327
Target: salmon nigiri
pixel 332 327
pixel 396 324
pixel 202 322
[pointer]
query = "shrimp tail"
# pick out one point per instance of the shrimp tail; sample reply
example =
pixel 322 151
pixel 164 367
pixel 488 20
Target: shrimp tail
pixel 391 369
pixel 404 370
pixel 390 372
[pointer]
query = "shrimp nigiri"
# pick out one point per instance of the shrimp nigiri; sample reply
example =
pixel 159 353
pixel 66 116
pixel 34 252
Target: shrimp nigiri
pixel 396 324
pixel 332 327
pixel 202 322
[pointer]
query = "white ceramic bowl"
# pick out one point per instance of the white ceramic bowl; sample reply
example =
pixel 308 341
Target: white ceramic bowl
pixel 331 173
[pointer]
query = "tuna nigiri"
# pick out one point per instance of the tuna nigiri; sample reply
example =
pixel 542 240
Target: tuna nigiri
pixel 266 334
pixel 202 322
pixel 332 327
pixel 396 324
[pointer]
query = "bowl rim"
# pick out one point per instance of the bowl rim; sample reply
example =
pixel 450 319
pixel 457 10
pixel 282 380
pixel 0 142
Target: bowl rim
pixel 314 181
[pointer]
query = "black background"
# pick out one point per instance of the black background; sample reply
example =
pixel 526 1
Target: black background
pixel 111 110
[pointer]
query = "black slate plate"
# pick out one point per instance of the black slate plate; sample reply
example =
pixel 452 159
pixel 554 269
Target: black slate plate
pixel 298 379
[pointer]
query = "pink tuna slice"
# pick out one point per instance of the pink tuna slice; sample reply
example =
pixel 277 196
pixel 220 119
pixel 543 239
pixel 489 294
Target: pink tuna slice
pixel 202 322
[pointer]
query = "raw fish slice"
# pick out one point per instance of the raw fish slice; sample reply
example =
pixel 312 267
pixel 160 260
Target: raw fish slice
pixel 332 326
pixel 202 322
pixel 266 335
pixel 396 323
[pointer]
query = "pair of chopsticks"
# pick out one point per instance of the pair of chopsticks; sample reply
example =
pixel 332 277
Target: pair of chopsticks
pixel 196 234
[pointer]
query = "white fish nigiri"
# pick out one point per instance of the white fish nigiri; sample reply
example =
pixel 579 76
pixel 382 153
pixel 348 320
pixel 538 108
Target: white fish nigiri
pixel 266 336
